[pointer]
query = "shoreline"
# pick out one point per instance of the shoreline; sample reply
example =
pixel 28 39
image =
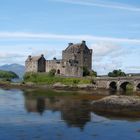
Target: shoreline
pixel 45 86
pixel 116 105
pixel 60 86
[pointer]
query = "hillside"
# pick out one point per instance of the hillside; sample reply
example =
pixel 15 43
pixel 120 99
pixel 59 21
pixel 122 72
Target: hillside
pixel 18 69
pixel 7 75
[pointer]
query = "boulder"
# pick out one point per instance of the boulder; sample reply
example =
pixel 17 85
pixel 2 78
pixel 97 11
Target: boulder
pixel 119 105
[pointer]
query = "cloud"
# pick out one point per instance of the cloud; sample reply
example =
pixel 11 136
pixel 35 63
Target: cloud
pixel 49 53
pixel 10 55
pixel 107 57
pixel 104 48
pixel 104 68
pixel 133 68
pixel 102 5
pixel 9 58
pixel 27 35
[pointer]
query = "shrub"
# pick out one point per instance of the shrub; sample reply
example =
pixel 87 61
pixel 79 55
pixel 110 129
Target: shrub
pixel 76 81
pixel 116 73
pixel 93 73
pixel 52 72
pixel 86 72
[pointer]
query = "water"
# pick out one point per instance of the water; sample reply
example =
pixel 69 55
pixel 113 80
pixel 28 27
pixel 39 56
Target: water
pixel 53 115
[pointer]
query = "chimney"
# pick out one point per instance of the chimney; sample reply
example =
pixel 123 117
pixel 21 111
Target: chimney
pixel 84 42
pixel 54 58
pixel 70 44
pixel 29 57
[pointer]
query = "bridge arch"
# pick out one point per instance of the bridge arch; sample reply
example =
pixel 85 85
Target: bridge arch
pixel 124 85
pixel 113 85
pixel 138 86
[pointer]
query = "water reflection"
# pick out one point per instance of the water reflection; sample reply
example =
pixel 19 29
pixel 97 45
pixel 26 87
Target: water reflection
pixel 58 115
pixel 74 111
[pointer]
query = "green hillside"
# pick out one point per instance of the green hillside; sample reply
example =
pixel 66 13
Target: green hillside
pixel 7 75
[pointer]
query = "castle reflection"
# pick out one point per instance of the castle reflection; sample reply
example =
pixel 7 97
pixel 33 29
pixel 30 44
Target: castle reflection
pixel 75 111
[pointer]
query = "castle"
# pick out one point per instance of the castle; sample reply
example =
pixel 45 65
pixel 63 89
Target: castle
pixel 74 58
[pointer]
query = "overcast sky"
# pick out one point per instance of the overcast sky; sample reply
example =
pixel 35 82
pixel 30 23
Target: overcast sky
pixel 110 27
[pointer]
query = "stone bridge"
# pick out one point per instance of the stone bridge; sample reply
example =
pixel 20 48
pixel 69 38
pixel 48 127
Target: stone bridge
pixel 118 83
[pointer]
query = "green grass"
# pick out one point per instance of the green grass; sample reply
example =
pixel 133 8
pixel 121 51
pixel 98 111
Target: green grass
pixel 44 78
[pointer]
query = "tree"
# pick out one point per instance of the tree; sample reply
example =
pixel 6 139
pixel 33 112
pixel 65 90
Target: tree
pixel 116 73
pixel 52 72
pixel 93 73
pixel 86 72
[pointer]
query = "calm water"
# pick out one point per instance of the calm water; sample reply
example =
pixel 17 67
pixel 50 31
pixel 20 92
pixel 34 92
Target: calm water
pixel 50 115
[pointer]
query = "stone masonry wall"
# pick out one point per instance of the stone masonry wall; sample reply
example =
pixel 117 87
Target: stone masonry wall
pixel 31 66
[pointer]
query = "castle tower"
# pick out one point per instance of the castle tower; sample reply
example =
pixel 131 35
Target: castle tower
pixel 79 53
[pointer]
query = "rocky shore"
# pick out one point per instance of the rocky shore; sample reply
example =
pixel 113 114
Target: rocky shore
pixel 118 105
pixel 45 86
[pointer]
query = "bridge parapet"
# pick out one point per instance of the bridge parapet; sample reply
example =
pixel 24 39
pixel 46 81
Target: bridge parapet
pixel 118 78
pixel 118 82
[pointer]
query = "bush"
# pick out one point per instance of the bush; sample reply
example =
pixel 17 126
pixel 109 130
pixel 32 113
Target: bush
pixel 116 73
pixel 86 72
pixel 76 81
pixel 93 73
pixel 52 72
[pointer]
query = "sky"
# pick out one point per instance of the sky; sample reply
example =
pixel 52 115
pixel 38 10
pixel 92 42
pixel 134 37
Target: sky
pixel 110 27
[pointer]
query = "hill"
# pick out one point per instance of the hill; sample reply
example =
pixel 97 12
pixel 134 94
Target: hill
pixel 16 68
pixel 7 75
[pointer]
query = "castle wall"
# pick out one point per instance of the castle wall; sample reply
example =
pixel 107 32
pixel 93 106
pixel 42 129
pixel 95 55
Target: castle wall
pixel 73 56
pixel 87 59
pixel 73 71
pixel 35 66
pixel 31 66
pixel 65 68
pixel 58 65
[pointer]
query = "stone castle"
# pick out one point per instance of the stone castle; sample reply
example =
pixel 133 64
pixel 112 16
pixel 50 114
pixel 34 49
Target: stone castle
pixel 74 58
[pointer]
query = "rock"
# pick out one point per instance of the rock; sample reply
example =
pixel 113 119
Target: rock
pixel 59 85
pixel 30 84
pixel 85 86
pixel 120 105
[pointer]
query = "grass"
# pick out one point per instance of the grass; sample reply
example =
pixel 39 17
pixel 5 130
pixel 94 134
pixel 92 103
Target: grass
pixel 44 78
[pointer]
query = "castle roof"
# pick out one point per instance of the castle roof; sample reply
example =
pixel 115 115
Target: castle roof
pixel 34 58
pixel 77 47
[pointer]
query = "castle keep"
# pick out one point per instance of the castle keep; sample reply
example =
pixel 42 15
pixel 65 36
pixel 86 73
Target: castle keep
pixel 74 58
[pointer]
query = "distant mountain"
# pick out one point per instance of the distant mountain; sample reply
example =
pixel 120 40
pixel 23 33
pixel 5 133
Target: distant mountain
pixel 18 69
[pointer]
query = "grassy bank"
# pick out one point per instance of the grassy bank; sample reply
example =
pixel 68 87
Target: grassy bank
pixel 44 78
